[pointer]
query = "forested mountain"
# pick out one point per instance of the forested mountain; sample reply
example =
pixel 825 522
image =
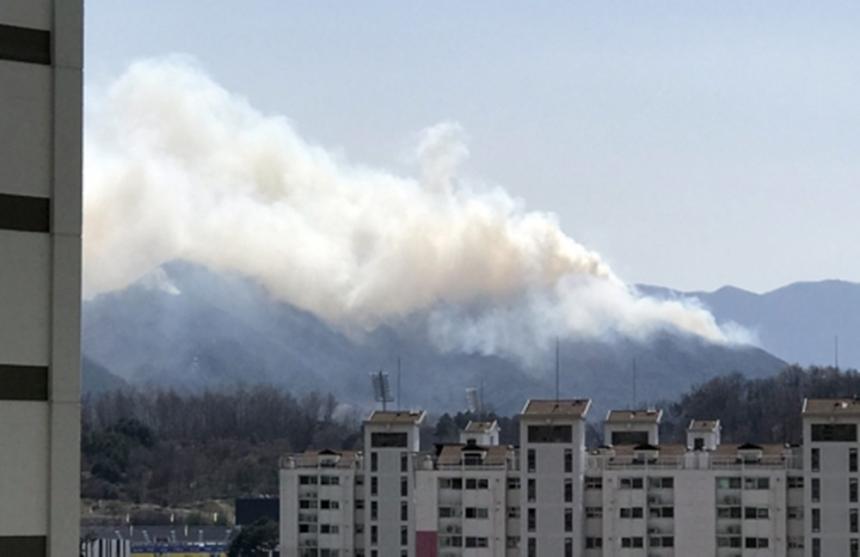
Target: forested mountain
pixel 798 322
pixel 188 328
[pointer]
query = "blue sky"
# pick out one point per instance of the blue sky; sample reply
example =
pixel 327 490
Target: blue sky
pixel 693 144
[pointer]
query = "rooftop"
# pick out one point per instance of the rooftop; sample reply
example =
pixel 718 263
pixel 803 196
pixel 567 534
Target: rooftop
pixel 831 407
pixel 704 425
pixel 396 417
pixel 452 455
pixel 481 427
pixel 576 407
pixel 325 459
pixel 635 416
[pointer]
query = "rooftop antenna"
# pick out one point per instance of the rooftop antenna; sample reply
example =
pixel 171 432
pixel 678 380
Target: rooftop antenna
pixel 381 388
pixel 836 352
pixel 399 403
pixel 557 368
pixel 472 402
pixel 634 384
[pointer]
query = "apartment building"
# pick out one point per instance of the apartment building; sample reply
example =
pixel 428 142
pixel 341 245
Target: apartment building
pixel 830 467
pixel 41 54
pixel 551 496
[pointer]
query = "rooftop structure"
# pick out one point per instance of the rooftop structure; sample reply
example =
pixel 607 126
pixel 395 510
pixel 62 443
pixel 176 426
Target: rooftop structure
pixel 542 408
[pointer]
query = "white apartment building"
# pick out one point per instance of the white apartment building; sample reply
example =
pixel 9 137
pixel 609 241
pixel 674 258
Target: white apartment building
pixel 553 497
pixel 41 54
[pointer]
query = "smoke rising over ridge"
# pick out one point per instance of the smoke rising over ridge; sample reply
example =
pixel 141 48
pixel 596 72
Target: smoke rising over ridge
pixel 178 168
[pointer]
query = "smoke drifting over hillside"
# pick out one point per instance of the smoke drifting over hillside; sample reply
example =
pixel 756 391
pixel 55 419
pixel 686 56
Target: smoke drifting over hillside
pixel 178 168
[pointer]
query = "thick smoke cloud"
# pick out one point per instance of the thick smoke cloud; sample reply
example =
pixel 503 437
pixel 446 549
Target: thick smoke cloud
pixel 178 168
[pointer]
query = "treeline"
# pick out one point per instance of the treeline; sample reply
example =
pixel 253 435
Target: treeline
pixel 172 448
pixel 757 410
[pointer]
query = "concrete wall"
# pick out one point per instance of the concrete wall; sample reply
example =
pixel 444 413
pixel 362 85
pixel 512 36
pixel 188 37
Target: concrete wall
pixel 40 245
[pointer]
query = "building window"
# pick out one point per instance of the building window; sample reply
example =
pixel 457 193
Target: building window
pixel 568 491
pixel 532 520
pixel 568 461
pixel 755 543
pixel 852 460
pixel 728 483
pixel 839 433
pixel 532 545
pixel 631 483
pixel 404 462
pixel 661 483
pixel 404 535
pixel 756 483
pixel 404 511
pixel 568 547
pixel 593 512
pixel 404 486
pixel 594 482
pixel 795 482
pixel 388 440
pixel 816 547
pixel 852 490
pixel 854 547
pixel 593 543
pixel 531 490
pixel 477 512
pixel 550 433
pixel 476 541
pixel 514 482
pixel 630 512
pixel 852 521
pixel 815 460
pixel 752 513
pixel 513 512
pixel 568 520
pixel 374 485
pixel 374 461
pixel 374 534
pixel 374 510
pixel 815 491
pixel 635 541
pixel 816 520
pixel 531 461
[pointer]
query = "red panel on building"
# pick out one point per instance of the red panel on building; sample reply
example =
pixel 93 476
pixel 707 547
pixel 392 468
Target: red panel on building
pixel 425 544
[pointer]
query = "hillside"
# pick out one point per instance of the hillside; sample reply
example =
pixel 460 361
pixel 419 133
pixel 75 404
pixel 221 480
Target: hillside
pixel 797 322
pixel 189 328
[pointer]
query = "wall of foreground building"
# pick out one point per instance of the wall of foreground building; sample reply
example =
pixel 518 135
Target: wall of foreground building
pixel 41 56
pixel 552 497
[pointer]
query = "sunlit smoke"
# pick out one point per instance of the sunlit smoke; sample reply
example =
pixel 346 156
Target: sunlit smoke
pixel 176 167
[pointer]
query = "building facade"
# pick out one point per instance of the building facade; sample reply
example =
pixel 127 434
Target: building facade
pixel 41 55
pixel 553 497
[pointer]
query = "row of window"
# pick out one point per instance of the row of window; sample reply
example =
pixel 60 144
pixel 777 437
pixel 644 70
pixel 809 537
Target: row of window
pixel 404 535
pixel 321 480
pixel 469 512
pixel 853 521
pixel 532 545
pixel 531 460
pixel 463 541
pixel 404 486
pixel 469 483
pixel 326 504
pixel 815 490
pixel 634 512
pixel 735 482
pixel 321 528
pixel 531 519
pixel 737 541
pixel 853 547
pixel 374 461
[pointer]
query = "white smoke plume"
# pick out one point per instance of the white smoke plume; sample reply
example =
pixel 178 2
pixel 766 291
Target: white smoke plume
pixel 176 167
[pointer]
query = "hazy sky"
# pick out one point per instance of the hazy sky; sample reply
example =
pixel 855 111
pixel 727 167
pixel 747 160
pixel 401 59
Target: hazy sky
pixel 693 144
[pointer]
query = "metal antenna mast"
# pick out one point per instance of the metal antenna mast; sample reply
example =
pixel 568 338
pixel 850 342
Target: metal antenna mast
pixel 399 401
pixel 557 369
pixel 634 384
pixel 381 388
pixel 836 352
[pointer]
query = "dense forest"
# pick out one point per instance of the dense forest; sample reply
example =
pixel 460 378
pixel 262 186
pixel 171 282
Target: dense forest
pixel 169 448
pixel 172 448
